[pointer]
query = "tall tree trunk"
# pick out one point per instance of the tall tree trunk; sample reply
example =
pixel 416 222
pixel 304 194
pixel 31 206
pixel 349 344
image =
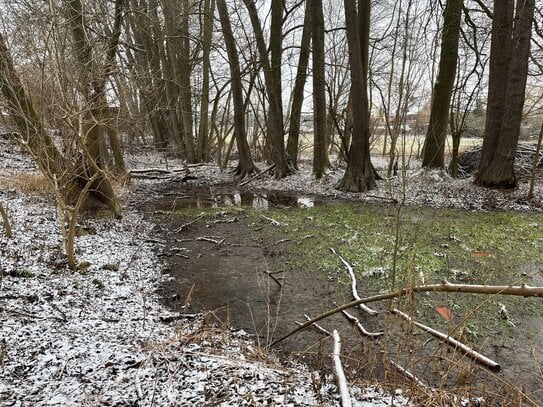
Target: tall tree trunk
pixel 275 118
pixel 170 47
pixel 359 176
pixel 146 62
pixel 509 54
pixel 109 68
pixel 298 92
pixel 276 49
pixel 319 90
pixel 186 87
pixel 202 148
pixel 245 164
pixel 434 150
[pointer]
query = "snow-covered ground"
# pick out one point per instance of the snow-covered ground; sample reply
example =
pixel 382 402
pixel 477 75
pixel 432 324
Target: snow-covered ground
pixel 99 336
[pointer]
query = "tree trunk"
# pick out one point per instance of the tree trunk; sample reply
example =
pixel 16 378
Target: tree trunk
pixel 509 55
pixel 186 88
pixel 245 164
pixel 202 148
pixel 275 116
pixel 319 89
pixel 434 150
pixel 146 62
pixel 359 176
pixel 298 92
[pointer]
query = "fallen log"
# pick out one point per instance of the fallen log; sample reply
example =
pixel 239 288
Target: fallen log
pixel 492 365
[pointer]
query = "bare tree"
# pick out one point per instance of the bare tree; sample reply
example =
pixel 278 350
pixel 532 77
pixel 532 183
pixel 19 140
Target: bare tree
pixel 434 150
pixel 298 91
pixel 319 89
pixel 51 162
pixel 509 54
pixel 202 148
pixel 359 176
pixel 245 165
pixel 275 118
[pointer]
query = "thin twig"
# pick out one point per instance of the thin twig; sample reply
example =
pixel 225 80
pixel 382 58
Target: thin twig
pixel 319 328
pixel 5 221
pixel 210 240
pixel 407 374
pixel 270 274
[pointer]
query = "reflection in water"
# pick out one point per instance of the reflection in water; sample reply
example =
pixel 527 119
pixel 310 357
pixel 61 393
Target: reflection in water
pixel 206 199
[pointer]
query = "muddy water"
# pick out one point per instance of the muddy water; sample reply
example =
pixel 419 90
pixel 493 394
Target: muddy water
pixel 222 265
pixel 209 197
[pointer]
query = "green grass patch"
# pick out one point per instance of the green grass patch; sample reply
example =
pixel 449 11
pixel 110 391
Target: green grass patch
pixel 415 245
pixel 424 245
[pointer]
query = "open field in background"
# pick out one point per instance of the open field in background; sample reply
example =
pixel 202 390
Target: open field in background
pixel 409 144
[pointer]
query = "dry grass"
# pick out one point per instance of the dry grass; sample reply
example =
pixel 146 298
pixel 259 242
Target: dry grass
pixel 28 183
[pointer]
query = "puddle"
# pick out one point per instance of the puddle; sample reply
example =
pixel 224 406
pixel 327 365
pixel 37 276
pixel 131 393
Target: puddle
pixel 206 198
pixel 226 268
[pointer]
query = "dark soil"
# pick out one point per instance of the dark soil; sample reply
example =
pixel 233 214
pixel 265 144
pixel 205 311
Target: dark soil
pixel 220 264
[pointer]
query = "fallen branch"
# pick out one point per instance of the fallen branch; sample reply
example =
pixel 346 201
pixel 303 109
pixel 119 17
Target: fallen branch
pixel 452 342
pixel 340 374
pixel 5 222
pixel 186 225
pixel 271 167
pixel 522 291
pixel 210 240
pixel 160 170
pixel 316 326
pixel 363 307
pixel 354 320
pixel 273 221
pixel 407 374
pixel 382 198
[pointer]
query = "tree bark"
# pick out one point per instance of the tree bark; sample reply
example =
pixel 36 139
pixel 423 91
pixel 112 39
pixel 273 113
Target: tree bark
pixel 359 176
pixel 319 89
pixel 186 88
pixel 245 164
pixel 298 92
pixel 275 116
pixel 434 150
pixel 202 148
pixel 509 55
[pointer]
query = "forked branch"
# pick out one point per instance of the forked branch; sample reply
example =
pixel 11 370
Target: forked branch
pixel 522 291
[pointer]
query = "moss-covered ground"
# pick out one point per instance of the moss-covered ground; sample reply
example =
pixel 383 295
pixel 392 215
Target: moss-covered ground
pixel 390 247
